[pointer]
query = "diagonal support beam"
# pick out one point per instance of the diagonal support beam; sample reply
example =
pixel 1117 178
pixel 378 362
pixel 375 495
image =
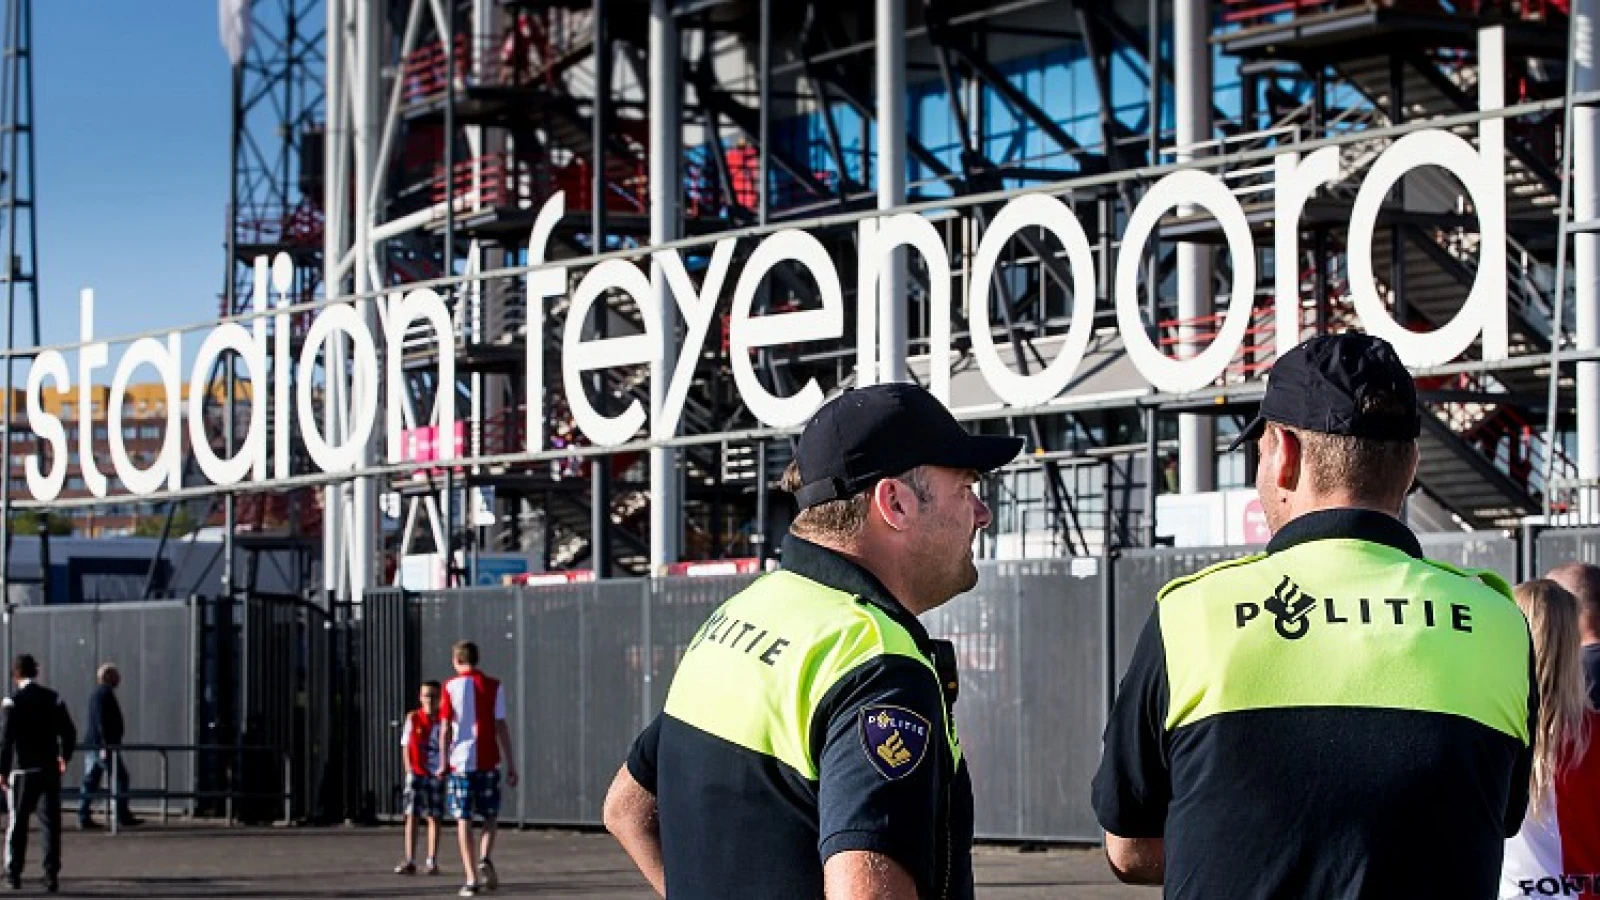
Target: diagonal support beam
pixel 1465 103
pixel 748 121
pixel 989 75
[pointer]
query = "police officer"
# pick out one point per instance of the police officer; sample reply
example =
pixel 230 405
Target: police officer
pixel 1337 716
pixel 807 739
pixel 36 741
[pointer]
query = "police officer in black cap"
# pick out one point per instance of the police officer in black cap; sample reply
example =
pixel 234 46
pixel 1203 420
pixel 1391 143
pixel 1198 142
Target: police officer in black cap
pixel 808 745
pixel 1337 716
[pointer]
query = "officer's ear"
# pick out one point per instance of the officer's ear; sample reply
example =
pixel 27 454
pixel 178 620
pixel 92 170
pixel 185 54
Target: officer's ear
pixel 892 501
pixel 1287 454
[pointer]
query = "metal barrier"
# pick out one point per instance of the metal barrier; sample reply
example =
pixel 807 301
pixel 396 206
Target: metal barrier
pixel 1557 546
pixel 1041 643
pixel 231 796
pixel 1041 646
pixel 154 646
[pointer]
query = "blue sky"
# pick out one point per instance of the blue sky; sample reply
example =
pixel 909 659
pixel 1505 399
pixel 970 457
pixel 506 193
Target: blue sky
pixel 131 111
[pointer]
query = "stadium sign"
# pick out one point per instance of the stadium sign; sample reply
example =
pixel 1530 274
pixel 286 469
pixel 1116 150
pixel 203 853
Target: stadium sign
pixel 1481 170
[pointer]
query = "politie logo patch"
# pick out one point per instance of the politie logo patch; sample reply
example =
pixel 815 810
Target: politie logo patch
pixel 894 738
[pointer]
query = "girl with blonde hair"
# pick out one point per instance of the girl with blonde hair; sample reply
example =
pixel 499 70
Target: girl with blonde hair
pixel 1558 848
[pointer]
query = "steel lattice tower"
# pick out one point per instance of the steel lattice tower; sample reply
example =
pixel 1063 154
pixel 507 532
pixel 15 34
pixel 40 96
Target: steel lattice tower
pixel 20 274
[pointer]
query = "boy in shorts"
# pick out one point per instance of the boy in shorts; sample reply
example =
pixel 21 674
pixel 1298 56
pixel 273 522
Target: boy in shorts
pixel 473 713
pixel 424 792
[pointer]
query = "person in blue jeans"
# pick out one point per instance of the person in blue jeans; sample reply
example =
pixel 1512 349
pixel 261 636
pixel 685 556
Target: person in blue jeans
pixel 105 730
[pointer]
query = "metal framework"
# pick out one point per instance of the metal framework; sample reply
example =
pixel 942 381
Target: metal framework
pixel 671 124
pixel 508 96
pixel 20 274
pixel 274 210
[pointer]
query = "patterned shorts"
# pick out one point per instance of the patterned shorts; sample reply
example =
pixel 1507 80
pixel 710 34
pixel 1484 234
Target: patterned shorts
pixel 423 797
pixel 475 794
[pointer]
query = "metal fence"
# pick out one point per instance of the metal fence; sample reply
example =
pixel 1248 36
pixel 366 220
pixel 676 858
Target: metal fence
pixel 585 667
pixel 1029 644
pixel 152 644
pixel 1041 645
pixel 1557 546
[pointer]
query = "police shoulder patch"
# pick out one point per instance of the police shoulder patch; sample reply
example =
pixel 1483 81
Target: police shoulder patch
pixel 894 738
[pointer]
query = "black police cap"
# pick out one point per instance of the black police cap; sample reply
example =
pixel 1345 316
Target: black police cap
pixel 1323 385
pixel 867 434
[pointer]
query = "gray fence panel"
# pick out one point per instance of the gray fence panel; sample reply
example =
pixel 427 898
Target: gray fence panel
pixel 439 624
pixel 151 644
pixel 389 666
pixel 1493 550
pixel 612 670
pixel 1140 575
pixel 488 618
pixel 678 607
pixel 555 691
pixel 1029 713
pixel 154 654
pixel 1567 545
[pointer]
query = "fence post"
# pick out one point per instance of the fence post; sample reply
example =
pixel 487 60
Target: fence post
pixel 523 722
pixel 1527 557
pixel 1108 630
pixel 288 789
pixel 647 647
pixel 590 591
pixel 196 651
pixel 166 784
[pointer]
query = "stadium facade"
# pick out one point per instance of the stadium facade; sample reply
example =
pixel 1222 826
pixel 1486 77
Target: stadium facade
pixel 604 257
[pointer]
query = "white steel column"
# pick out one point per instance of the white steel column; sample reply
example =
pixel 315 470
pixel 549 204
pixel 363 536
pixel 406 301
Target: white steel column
pixel 666 134
pixel 1197 435
pixel 366 119
pixel 891 133
pixel 1586 247
pixel 336 235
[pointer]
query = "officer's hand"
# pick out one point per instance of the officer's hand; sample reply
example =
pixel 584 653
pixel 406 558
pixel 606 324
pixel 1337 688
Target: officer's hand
pixel 439 772
pixel 61 765
pixel 104 753
pixel 511 778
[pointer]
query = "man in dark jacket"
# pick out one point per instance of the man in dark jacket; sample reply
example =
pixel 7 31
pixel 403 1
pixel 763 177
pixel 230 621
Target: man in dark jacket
pixel 36 741
pixel 102 736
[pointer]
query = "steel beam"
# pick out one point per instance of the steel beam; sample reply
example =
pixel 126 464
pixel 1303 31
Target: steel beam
pixel 666 224
pixel 600 468
pixel 891 127
pixel 1197 434
pixel 1586 245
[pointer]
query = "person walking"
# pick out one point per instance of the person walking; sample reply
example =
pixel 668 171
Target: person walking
pixel 808 746
pixel 423 798
pixel 1338 717
pixel 473 715
pixel 36 741
pixel 1582 580
pixel 102 736
pixel 1557 853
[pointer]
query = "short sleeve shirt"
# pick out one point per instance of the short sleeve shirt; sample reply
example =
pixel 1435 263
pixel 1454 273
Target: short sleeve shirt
pixel 763 803
pixel 1336 718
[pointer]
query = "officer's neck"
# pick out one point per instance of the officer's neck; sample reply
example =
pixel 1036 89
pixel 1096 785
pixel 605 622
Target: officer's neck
pixel 1303 504
pixel 883 565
